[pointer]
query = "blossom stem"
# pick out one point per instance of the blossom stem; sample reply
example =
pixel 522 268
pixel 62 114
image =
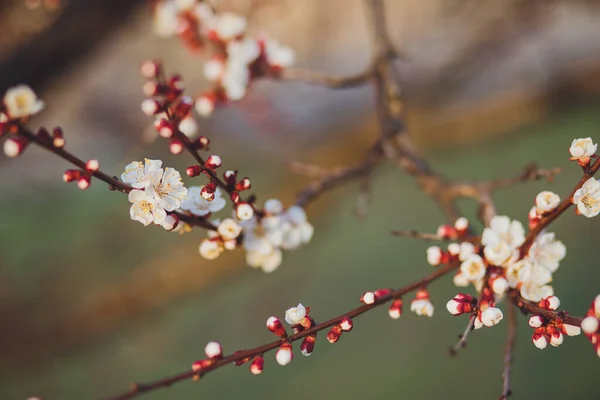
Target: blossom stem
pixel 113 183
pixel 528 307
pixel 141 388
pixel 509 349
pixel 562 207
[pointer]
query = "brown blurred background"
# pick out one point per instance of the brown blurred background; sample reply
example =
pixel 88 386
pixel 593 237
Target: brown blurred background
pixel 92 300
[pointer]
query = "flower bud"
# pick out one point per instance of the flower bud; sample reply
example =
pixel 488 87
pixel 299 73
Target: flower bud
pixel 434 255
pixel 539 340
pixel 150 107
pixel 184 107
pixel 550 303
pixel 334 334
pixel 395 310
pixel 200 364
pixel 193 170
pixel 244 184
pixel 208 191
pixel 230 177
pixel 92 165
pixel 201 143
pixel 462 226
pixel 149 69
pixel 571 330
pixel 308 345
pixel 164 128
pixel 284 354
pixel 447 232
pixel 275 326
pixel 205 105
pixel 71 175
pixel 170 222
pixel 15 146
pixel 346 324
pixel 84 182
pixel 58 139
pixel 590 325
pixel 556 338
pixel 536 321
pixel 499 285
pixel 213 162
pixel 176 146
pixel 257 365
pixel 213 350
pixel 368 298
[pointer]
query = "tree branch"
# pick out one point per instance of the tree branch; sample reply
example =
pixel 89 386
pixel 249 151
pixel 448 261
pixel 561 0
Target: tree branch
pixel 509 349
pixel 243 355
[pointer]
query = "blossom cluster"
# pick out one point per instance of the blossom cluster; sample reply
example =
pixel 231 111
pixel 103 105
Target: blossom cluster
pixel 550 331
pixel 591 324
pixel 156 192
pixel 18 104
pixel 236 58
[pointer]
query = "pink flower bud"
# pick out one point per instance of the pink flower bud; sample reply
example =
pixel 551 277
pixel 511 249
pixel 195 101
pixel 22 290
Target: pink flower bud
pixel 205 105
pixel 434 255
pixel 149 69
pixel 536 321
pixel 150 107
pixel 257 365
pixel 499 285
pixel 571 330
pixel 184 107
pixel 462 226
pixel 244 184
pixel 58 139
pixel 14 147
pixel 491 316
pixel 92 165
pixel 334 334
pixel 213 350
pixel 201 143
pixel 152 88
pixel 170 222
pixel 454 249
pixel 368 298
pixel 164 128
pixel 193 170
pixel 382 292
pixel 550 303
pixel 395 310
pixel 213 162
pixel 84 182
pixel 235 197
pixel 208 191
pixel 275 326
pixel 176 146
pixel 200 364
pixel 590 325
pixel 230 177
pixel 556 338
pixel 308 345
pixel 447 232
pixel 346 324
pixel 284 354
pixel 539 338
pixel 71 175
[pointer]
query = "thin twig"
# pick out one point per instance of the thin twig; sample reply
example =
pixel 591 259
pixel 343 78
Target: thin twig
pixel 112 182
pixel 509 350
pixel 319 79
pixel 528 307
pixel 433 236
pixel 140 388
pixel 462 341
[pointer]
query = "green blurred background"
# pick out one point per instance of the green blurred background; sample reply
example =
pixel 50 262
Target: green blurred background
pixel 92 301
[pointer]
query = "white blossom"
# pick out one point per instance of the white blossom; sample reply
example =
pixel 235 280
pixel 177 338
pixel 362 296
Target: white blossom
pixel 211 248
pixel 189 127
pixel 546 201
pixel 499 286
pixel 137 174
pixel 278 55
pixel 213 69
pixel 461 280
pixel 235 79
pixel 21 101
pixel 422 307
pixel 501 240
pixel 273 206
pixel 466 249
pixel 198 205
pixel 267 262
pixel 229 229
pixel 535 292
pixel 294 315
pixel 583 148
pixel 491 316
pixel 166 19
pixel 229 25
pixel 547 252
pixel 244 51
pixel 587 198
pixel 145 208
pixel 205 106
pixel 473 268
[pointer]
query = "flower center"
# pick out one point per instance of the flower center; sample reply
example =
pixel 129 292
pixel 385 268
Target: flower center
pixel 146 206
pixel 589 201
pixel 161 190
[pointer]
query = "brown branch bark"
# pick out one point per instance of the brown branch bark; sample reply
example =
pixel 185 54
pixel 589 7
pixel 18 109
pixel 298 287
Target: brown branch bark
pixel 113 183
pixel 141 388
pixel 528 307
pixel 509 350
